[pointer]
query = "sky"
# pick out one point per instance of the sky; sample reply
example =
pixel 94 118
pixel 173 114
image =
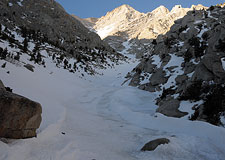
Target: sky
pixel 98 8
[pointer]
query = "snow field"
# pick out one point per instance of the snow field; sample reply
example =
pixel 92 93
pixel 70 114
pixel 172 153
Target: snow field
pixel 103 120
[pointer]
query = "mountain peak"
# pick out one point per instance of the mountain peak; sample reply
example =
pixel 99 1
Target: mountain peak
pixel 124 8
pixel 177 7
pixel 112 21
pixel 161 10
pixel 198 7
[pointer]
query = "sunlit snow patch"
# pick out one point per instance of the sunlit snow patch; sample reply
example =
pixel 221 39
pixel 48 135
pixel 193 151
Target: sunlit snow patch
pixel 103 32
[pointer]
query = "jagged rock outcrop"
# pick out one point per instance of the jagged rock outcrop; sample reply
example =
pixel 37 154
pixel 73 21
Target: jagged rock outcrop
pixel 19 116
pixel 187 63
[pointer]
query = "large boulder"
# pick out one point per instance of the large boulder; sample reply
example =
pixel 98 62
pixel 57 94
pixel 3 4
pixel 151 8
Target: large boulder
pixel 148 87
pixel 202 73
pixel 213 63
pixel 192 32
pixel 152 145
pixel 189 68
pixel 29 67
pixel 181 79
pixel 19 116
pixel 169 107
pixel 159 77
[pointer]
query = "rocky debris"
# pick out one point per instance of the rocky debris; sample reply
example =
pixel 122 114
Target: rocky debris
pixel 19 116
pixel 169 107
pixel 29 67
pixel 185 63
pixel 152 145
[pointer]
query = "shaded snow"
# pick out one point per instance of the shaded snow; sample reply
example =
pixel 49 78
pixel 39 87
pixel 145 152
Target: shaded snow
pixel 210 15
pixel 198 21
pixel 186 106
pixel 127 46
pixel 180 43
pixel 145 77
pixel 185 31
pixel 223 63
pixel 202 31
pixel 10 4
pixel 190 74
pixel 103 120
pixel 157 60
pixel 176 62
pixel 20 3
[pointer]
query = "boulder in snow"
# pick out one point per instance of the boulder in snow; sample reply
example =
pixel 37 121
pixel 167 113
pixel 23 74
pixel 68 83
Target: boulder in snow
pixel 29 67
pixel 19 116
pixel 170 107
pixel 152 145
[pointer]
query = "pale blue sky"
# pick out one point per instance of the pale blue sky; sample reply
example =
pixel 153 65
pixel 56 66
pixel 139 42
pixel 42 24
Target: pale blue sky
pixel 98 8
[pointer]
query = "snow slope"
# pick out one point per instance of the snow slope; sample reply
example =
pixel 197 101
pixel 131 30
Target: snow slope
pixel 101 119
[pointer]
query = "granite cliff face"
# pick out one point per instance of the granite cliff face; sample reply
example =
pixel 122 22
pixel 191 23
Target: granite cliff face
pixel 125 24
pixel 116 20
pixel 136 25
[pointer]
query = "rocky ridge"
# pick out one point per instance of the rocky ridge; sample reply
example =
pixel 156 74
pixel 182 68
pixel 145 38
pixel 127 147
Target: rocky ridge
pixel 124 25
pixel 187 64
pixel 87 22
pixel 45 21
